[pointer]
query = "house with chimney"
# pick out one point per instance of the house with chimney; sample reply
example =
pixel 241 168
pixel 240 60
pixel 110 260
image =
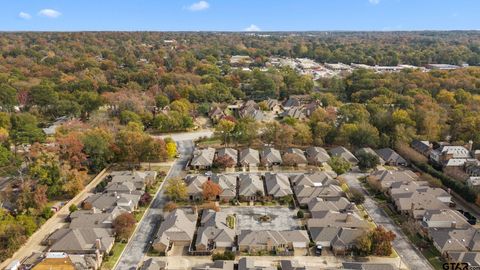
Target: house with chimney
pixel 176 230
pixel 293 242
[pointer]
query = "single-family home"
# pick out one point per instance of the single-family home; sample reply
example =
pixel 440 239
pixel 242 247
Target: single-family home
pixel 139 178
pixel 471 258
pixel 391 157
pixel 214 232
pixel 81 241
pixel 250 187
pixel 249 158
pixel 176 230
pixel 247 263
pixel 294 242
pixel 216 113
pixel 228 183
pixel 448 240
pixel 423 147
pixel 343 152
pixel 318 206
pixel 107 202
pixel 217 265
pixel 277 185
pixel 304 194
pixel 387 177
pixel 296 155
pixel 274 106
pixel 195 186
pixel 317 155
pixel 270 156
pixel 154 264
pixel 316 179
pixel 444 153
pixel 444 218
pixel 203 158
pixel 371 152
pixel 230 153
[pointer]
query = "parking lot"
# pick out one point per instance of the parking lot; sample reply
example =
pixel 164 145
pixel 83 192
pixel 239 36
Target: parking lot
pixel 282 218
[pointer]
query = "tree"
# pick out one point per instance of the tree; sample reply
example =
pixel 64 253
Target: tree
pixel 171 147
pixel 8 97
pixel 72 208
pixel 170 206
pixel 300 214
pixel 377 242
pixel 5 156
pixel 145 199
pixel 224 129
pixel 87 205
pixel 367 160
pixel 356 196
pixel 223 162
pixel 303 134
pixel 123 225
pixel 290 159
pixel 71 149
pixel 40 199
pixel 211 190
pixel 161 101
pixel 74 180
pixel 97 145
pixel 339 165
pixel 127 116
pixel 25 129
pixel 175 189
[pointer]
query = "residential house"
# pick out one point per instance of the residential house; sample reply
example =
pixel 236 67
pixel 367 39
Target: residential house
pixel 251 109
pixel 203 158
pixel 195 186
pixel 247 263
pixel 217 265
pixel 471 258
pixel 140 179
pixel 455 240
pixel 423 147
pixel 387 177
pixel 228 152
pixel 391 157
pixel 317 155
pixel 119 187
pixel 372 152
pixel 294 242
pixel 298 156
pixel 292 101
pixel 368 266
pixel 274 106
pixel 417 203
pixel 93 218
pixel 55 260
pixel 444 153
pixel 444 218
pixel 270 156
pixel 316 179
pixel 228 183
pixel 216 114
pixel 153 264
pixel 342 152
pixel 293 265
pixel 337 231
pixel 249 158
pixel 214 232
pixel 176 230
pixel 81 241
pixel 250 187
pixel 277 185
pixel 107 202
pixel 296 112
pixel 304 194
pixel 318 206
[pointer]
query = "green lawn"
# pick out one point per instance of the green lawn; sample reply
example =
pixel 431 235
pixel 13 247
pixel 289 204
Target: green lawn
pixel 110 261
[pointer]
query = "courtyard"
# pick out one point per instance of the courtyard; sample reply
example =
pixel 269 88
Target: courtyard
pixel 280 218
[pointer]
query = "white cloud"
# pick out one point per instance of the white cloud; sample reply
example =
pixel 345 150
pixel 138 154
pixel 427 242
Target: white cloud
pixel 374 2
pixel 24 15
pixel 199 6
pixel 50 13
pixel 252 28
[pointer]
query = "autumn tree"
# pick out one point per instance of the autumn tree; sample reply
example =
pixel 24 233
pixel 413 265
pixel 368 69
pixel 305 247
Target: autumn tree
pixel 175 189
pixel 171 147
pixel 367 160
pixel 211 190
pixel 224 161
pixel 123 225
pixel 71 149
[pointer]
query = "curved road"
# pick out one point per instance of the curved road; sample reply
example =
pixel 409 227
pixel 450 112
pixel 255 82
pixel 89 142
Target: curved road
pixel 138 245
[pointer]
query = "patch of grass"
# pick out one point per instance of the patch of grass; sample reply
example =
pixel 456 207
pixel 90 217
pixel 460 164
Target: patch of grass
pixel 110 260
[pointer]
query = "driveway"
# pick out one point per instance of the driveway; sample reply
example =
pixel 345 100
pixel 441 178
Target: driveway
pixel 408 253
pixel 147 228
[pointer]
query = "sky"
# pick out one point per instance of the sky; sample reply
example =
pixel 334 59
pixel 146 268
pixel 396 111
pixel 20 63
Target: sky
pixel 238 15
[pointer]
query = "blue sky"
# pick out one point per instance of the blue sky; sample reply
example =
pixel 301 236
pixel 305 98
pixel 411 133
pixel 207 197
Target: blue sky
pixel 238 15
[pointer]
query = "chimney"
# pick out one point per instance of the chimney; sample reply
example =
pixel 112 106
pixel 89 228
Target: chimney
pixel 98 257
pixel 454 225
pixel 98 244
pixel 349 217
pixel 470 145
